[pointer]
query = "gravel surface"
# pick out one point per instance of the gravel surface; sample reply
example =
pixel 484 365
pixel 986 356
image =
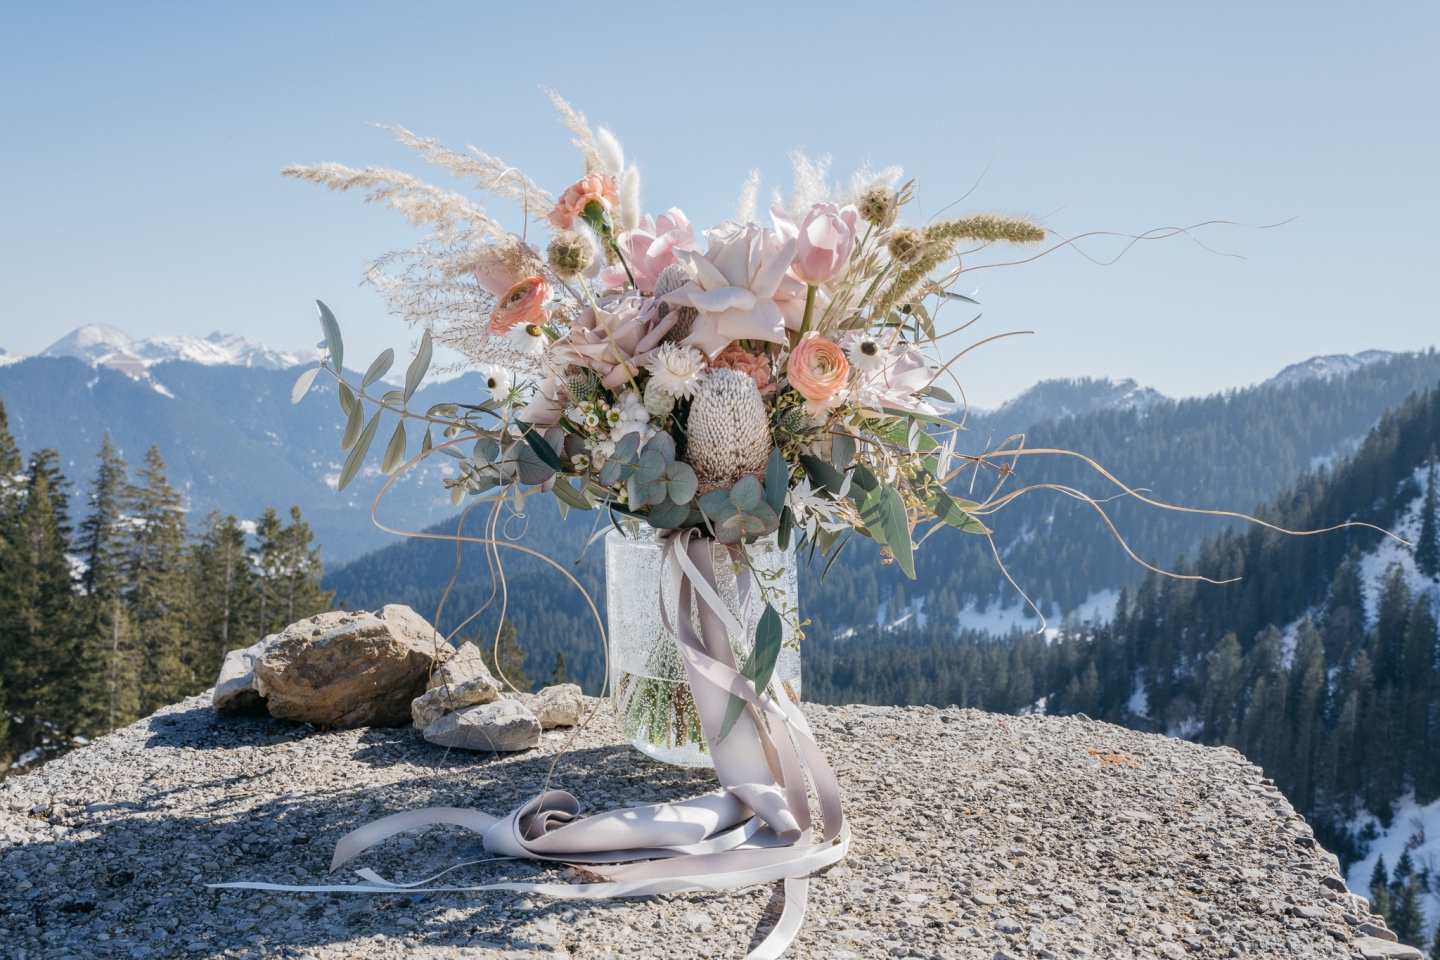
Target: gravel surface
pixel 977 836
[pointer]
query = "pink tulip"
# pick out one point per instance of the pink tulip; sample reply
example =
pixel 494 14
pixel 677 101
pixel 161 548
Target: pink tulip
pixel 827 236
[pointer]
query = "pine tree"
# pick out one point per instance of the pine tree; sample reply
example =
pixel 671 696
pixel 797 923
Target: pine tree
pixel 1427 545
pixel 38 634
pixel 557 675
pixel 110 673
pixel 11 500
pixel 289 570
pixel 269 561
pixel 510 670
pixel 157 587
pixel 1380 891
pixel 1407 902
pixel 226 600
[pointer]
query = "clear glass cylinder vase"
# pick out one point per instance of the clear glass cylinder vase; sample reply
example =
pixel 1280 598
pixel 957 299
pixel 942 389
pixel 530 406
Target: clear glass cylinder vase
pixel 649 690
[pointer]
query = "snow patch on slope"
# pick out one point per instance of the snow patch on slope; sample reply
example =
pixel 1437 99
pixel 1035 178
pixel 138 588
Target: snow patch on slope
pixel 1326 367
pixel 100 343
pixel 1377 563
pixel 1414 828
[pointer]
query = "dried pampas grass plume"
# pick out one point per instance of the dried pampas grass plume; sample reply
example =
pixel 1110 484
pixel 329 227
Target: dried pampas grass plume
pixel 749 193
pixel 612 156
pixel 940 241
pixel 575 121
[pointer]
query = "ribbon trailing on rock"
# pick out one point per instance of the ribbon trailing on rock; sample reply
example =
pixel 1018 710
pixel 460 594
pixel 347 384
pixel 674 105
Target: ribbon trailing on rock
pixel 756 829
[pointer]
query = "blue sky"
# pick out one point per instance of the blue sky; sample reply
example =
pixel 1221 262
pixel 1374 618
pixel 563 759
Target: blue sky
pixel 139 184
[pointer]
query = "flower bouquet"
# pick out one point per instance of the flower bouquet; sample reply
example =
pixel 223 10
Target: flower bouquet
pixel 746 389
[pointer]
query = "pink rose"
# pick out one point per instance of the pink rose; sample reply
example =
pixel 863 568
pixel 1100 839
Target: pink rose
pixel 817 368
pixel 592 188
pixel 522 303
pixel 825 240
pixel 649 249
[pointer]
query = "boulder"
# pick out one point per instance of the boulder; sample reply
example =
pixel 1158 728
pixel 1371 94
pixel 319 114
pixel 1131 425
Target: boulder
pixel 350 669
pixel 235 693
pixel 463 681
pixel 561 705
pixel 1373 948
pixel 502 726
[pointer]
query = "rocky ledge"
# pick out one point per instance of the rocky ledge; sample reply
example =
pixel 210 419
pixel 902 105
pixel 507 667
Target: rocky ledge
pixel 977 836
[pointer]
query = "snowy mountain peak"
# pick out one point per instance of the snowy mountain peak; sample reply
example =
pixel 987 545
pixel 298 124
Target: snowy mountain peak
pixel 99 343
pixel 1326 367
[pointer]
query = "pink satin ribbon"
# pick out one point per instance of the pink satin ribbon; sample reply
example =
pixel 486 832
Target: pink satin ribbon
pixel 757 829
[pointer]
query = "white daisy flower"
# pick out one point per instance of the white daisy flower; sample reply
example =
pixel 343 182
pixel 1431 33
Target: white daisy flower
pixel 498 380
pixel 528 339
pixel 867 353
pixel 676 370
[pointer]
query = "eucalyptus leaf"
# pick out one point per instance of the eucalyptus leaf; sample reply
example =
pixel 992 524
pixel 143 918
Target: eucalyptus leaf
pixel 652 464
pixel 570 497
pixel 883 511
pixel 747 494
pixel 333 343
pixel 531 469
pixel 952 511
pixel 426 444
pixel 787 524
pixel 662 444
pixel 956 296
pixel 825 476
pixel 681 481
pixel 777 480
pixel 457 494
pixel 938 393
pixel 667 514
pixel 627 445
pixel 419 366
pixel 609 473
pixel 354 424
pixel 379 368
pixel 347 396
pixel 393 397
pixel 487 450
pixel 759 666
pixel 394 451
pixel 541 448
pixel 357 455
pixel 842 450
pixel 303 384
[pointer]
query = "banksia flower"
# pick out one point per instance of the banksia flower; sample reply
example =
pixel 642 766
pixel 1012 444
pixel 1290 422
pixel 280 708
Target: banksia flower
pixel 729 435
pixel 876 204
pixel 906 245
pixel 569 254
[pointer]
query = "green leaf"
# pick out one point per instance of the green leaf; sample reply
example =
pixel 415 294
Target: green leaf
pixel 861 479
pixel 347 397
pixel 952 511
pixel 884 513
pixel 379 368
pixel 609 473
pixel 825 476
pixel 652 464
pixel 663 444
pixel 787 523
pixel 541 447
pixel 759 666
pixel 956 296
pixel 747 494
pixel 353 425
pixel 394 451
pixel 357 455
pixel 486 450
pixel 531 469
pixel 777 480
pixel 393 397
pixel 681 481
pixel 938 393
pixel 303 384
pixel 626 446
pixel 571 497
pixel 426 444
pixel 716 504
pixel 667 514
pixel 333 343
pixel 842 450
pixel 419 366
pixel 890 411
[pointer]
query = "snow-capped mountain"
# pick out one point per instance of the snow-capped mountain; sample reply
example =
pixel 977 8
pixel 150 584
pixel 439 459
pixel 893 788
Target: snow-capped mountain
pixel 1056 399
pixel 99 343
pixel 1326 367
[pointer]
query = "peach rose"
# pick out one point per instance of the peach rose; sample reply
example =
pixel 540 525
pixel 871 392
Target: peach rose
pixel 524 303
pixel 597 187
pixel 756 368
pixel 817 368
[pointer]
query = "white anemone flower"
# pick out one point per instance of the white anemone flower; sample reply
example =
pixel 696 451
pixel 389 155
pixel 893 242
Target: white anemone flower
pixel 734 287
pixel 528 339
pixel 867 353
pixel 676 370
pixel 498 380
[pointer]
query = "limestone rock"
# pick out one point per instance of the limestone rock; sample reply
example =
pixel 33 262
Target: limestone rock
pixel 504 726
pixel 1373 948
pixel 561 705
pixel 235 693
pixel 463 681
pixel 1377 931
pixel 349 669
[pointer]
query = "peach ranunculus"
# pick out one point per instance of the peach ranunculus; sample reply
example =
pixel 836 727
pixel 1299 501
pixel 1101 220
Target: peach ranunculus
pixel 599 188
pixel 817 369
pixel 523 303
pixel 757 368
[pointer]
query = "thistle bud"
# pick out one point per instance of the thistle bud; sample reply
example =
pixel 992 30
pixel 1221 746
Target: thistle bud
pixel 876 204
pixel 569 254
pixel 906 246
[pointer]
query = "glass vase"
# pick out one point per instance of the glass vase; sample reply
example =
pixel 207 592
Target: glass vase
pixel 650 692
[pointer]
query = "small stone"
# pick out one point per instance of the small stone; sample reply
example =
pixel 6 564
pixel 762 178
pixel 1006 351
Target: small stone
pixel 235 693
pixel 463 681
pixel 1377 931
pixel 1309 912
pixel 1009 926
pixel 561 705
pixel 984 899
pixel 503 726
pixel 1373 948
pixel 1335 883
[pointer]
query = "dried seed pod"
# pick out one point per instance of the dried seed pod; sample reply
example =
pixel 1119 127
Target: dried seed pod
pixel 906 246
pixel 569 254
pixel 729 435
pixel 875 204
